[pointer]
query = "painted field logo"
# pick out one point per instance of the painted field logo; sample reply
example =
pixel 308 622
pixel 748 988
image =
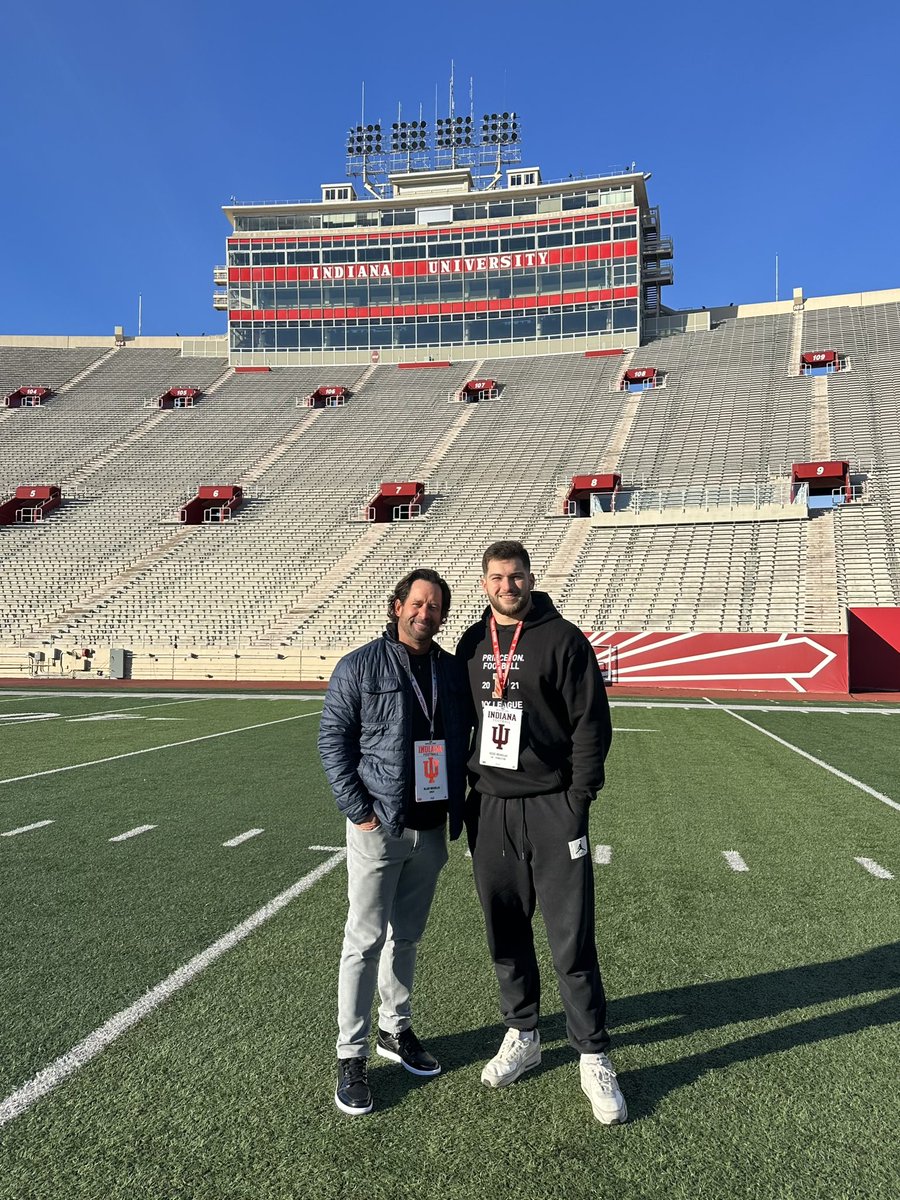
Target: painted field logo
pixel 500 736
pixel 432 769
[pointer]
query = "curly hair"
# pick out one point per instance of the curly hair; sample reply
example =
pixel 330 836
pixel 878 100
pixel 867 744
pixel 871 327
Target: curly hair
pixel 404 587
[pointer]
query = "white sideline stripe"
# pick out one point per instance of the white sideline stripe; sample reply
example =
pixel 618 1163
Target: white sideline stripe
pixel 329 849
pixel 245 837
pixel 123 837
pixel 95 762
pixel 874 868
pixel 734 860
pixel 624 729
pixel 881 710
pixel 82 1053
pixel 25 828
pixel 863 787
pixel 603 855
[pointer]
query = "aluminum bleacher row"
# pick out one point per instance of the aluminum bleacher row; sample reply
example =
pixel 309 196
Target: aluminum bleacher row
pixel 114 566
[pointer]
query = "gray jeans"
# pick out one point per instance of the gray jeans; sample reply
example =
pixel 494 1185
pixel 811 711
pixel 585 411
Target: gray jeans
pixel 390 886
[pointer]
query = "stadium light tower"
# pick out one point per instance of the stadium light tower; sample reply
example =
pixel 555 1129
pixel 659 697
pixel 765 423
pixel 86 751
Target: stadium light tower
pixel 500 137
pixel 365 152
pixel 408 138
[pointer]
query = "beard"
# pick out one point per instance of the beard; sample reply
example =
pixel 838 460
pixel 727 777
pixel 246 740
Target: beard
pixel 510 606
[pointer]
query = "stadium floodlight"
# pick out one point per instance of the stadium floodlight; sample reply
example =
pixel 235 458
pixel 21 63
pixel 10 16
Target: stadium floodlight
pixel 408 137
pixel 453 133
pixel 363 140
pixel 499 129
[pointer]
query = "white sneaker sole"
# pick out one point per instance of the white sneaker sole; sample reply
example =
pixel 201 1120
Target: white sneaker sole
pixel 491 1082
pixel 619 1117
pixel 353 1112
pixel 394 1057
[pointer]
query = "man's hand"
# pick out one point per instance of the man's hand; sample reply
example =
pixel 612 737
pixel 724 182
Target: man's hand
pixel 368 826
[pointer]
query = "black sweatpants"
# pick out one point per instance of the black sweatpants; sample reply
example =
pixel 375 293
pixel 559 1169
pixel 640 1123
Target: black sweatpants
pixel 522 851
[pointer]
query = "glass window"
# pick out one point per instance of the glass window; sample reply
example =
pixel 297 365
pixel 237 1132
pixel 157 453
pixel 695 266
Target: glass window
pixel 357 335
pixel 500 329
pixel 288 338
pixel 311 337
pixel 598 320
pixel 523 326
pixel 297 258
pixel 476 331
pixel 427 289
pixel 578 200
pixel 546 241
pixel 338 256
pixel 625 318
pixel 549 324
pixel 483 246
pixel 574 322
pixel 451 288
pixel 476 287
pixel 451 332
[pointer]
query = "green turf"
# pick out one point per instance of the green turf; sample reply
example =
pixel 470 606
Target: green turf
pixel 756 1016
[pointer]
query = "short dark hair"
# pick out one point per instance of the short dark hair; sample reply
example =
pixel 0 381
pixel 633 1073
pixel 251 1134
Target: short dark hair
pixel 404 587
pixel 504 552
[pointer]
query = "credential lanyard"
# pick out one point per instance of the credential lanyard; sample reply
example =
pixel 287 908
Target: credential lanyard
pixel 418 693
pixel 501 675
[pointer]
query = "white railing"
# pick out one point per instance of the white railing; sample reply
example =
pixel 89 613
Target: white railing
pixel 705 499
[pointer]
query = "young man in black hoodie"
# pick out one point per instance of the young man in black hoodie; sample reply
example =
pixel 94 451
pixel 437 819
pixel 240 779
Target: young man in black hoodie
pixel 543 733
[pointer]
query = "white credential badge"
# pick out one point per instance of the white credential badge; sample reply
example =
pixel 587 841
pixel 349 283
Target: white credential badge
pixel 431 771
pixel 500 732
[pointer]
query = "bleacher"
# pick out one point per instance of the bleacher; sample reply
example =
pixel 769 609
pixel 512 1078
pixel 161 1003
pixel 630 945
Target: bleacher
pixel 114 567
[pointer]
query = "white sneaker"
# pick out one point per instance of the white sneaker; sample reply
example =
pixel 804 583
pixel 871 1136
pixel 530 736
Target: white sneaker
pixel 518 1053
pixel 598 1082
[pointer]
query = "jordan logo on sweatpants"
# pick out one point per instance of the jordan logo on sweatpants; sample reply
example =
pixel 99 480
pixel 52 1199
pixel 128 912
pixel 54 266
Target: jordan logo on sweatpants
pixel 578 848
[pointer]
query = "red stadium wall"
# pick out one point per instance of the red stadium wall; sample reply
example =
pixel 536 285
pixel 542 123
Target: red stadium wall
pixel 753 662
pixel 874 635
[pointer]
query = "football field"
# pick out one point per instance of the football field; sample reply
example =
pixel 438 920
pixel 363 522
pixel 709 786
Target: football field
pixel 172 891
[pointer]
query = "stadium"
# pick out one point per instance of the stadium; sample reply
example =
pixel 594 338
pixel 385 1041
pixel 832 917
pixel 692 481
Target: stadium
pixel 442 350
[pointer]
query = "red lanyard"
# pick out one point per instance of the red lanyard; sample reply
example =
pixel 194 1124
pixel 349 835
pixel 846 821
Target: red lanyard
pixel 501 676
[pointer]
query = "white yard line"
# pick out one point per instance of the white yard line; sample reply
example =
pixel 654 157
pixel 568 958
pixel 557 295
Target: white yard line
pixel 703 706
pixel 734 860
pixel 863 787
pixel 874 868
pixel 81 1054
pixel 94 762
pixel 603 855
pixel 130 833
pixel 245 837
pixel 25 828
pixel 624 729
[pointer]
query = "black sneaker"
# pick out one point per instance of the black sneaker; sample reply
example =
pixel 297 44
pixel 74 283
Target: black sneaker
pixel 405 1048
pixel 353 1095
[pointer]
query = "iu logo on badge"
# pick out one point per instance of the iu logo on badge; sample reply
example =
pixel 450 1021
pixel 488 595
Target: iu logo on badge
pixel 500 732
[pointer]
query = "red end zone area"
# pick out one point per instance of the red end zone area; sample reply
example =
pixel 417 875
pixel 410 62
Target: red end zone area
pixel 775 663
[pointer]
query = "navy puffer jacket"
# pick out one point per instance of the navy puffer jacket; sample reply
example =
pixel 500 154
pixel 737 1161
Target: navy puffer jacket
pixel 365 735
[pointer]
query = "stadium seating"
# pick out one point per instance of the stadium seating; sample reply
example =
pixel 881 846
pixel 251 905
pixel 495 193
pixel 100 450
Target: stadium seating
pixel 113 566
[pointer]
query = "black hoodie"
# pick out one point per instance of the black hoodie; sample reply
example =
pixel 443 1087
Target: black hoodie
pixel 555 679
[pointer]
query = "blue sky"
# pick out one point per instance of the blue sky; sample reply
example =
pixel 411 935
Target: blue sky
pixel 769 129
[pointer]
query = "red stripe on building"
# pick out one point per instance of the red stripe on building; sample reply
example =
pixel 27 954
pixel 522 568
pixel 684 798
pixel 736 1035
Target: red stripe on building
pixel 245 241
pixel 470 309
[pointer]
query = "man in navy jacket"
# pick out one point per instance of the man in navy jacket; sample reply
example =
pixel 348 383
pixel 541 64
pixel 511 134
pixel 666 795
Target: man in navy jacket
pixel 393 740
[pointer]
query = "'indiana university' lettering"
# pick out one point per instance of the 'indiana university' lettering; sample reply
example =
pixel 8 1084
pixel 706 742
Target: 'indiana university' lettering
pixel 437 266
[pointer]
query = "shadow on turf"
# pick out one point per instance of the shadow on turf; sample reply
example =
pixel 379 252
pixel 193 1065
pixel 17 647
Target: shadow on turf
pixel 683 1012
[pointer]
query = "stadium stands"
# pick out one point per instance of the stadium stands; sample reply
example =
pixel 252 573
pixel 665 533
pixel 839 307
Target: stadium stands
pixel 113 566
